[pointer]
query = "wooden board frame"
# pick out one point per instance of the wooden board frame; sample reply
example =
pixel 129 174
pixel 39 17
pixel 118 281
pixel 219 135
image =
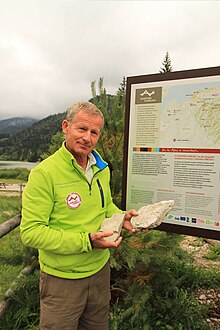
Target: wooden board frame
pixel 160 77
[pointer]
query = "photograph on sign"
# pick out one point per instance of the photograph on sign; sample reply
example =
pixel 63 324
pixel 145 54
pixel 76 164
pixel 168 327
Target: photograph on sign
pixel 172 148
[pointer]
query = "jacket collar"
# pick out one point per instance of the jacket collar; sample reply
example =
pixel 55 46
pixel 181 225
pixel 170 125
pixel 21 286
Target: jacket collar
pixel 68 157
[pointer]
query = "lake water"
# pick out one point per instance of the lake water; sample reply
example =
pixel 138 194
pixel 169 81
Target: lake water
pixel 13 164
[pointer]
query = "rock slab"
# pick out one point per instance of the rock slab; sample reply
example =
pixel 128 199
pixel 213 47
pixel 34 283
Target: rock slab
pixel 150 216
pixel 114 223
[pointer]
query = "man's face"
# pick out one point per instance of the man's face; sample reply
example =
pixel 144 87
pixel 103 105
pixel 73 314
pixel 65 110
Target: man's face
pixel 82 133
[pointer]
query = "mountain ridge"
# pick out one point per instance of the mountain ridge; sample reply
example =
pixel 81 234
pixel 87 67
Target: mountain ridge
pixel 30 143
pixel 14 125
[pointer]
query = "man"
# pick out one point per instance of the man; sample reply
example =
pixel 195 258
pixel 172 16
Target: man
pixel 64 203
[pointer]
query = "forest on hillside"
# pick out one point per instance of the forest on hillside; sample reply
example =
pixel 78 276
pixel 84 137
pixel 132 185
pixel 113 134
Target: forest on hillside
pixel 29 144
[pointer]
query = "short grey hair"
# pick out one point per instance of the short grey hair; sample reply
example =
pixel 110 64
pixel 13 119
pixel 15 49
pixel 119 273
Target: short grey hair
pixel 87 107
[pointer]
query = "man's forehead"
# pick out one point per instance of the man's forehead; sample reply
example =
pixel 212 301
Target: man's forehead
pixel 83 118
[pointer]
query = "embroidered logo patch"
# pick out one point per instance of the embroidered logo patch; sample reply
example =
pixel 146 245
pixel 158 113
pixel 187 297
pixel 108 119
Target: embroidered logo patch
pixel 73 200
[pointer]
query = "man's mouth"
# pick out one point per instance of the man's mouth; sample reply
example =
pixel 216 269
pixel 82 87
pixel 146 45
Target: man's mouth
pixel 84 146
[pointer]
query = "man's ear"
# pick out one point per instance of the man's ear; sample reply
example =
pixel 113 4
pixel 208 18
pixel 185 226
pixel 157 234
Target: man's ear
pixel 65 125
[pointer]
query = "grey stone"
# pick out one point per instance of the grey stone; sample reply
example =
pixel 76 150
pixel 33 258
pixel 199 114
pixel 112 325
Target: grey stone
pixel 151 216
pixel 114 223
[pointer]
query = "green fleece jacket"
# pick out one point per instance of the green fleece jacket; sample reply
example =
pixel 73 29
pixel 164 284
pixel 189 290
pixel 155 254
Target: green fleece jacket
pixel 60 207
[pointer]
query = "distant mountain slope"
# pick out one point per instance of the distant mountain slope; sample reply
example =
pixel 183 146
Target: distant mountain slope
pixel 30 143
pixel 14 125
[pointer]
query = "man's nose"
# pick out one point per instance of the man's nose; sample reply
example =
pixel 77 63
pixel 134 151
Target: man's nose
pixel 87 136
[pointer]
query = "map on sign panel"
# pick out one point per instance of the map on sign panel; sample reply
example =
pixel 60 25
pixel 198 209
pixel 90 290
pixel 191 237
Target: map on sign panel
pixel 190 115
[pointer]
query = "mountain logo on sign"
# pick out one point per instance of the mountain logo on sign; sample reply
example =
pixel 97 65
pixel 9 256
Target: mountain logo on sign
pixel 147 93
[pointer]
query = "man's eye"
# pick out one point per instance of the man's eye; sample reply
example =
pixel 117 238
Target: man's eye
pixel 94 133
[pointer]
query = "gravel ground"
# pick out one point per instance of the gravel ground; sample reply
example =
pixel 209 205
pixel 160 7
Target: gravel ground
pixel 210 297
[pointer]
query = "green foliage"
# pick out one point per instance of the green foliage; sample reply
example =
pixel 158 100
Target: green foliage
pixel 112 138
pixel 214 254
pixel 152 284
pixel 23 313
pixel 21 174
pixel 29 144
pixel 4 136
pixel 56 143
pixel 167 67
pixel 3 142
pixel 11 252
pixel 11 259
pixel 9 207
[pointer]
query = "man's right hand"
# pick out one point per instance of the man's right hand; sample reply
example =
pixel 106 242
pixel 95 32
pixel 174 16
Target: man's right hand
pixel 99 242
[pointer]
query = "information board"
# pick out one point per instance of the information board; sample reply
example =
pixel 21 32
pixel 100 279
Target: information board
pixel 172 148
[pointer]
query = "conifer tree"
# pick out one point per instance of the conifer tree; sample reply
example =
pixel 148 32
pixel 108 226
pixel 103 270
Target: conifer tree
pixel 112 138
pixel 167 67
pixel 56 142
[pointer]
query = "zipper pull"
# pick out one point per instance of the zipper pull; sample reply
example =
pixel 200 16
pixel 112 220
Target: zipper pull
pixel 101 193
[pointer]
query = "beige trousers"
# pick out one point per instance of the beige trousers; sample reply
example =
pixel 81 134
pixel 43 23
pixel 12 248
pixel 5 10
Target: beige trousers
pixel 81 304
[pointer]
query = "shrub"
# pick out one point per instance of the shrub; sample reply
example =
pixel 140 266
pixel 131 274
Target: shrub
pixel 152 284
pixel 15 173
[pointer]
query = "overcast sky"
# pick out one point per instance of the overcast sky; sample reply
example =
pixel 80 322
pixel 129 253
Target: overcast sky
pixel 51 50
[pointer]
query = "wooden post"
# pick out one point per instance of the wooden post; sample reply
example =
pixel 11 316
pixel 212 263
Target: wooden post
pixel 9 225
pixel 10 293
pixel 20 189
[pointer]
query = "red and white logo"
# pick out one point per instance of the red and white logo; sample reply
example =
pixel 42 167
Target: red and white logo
pixel 73 200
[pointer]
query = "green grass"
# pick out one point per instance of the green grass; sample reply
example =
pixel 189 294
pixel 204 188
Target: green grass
pixel 16 174
pixel 214 253
pixel 9 207
pixel 11 260
pixel 12 251
pixel 199 242
pixel 23 313
pixel 11 181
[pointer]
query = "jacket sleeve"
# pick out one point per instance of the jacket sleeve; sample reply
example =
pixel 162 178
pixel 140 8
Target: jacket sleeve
pixel 35 230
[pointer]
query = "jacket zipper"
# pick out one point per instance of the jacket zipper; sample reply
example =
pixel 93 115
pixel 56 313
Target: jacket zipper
pixel 99 185
pixel 101 193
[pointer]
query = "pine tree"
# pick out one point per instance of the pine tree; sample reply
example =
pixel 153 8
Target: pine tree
pixel 112 138
pixel 56 142
pixel 167 67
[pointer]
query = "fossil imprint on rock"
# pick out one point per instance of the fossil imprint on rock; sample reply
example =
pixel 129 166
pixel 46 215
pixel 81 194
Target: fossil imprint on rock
pixel 150 216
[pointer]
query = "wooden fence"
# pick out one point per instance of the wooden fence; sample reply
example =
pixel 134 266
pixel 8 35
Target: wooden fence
pixel 5 228
pixel 12 188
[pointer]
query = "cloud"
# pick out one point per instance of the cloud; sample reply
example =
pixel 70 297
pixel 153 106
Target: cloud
pixel 51 51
